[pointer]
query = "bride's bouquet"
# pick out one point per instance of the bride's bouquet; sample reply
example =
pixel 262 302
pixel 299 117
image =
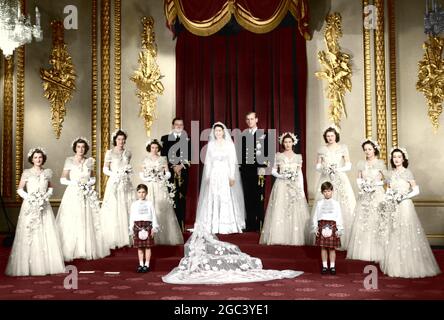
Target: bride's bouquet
pixel 88 192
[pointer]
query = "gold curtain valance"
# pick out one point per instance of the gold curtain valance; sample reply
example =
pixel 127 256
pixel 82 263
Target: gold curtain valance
pixel 207 18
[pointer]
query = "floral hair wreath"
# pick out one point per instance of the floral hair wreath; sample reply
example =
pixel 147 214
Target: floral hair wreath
pixel 404 150
pixel 292 135
pixel 114 134
pixel 151 141
pixel 332 126
pixel 375 143
pixel 80 138
pixel 31 151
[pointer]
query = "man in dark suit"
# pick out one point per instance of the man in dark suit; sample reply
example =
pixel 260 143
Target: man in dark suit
pixel 176 146
pixel 252 169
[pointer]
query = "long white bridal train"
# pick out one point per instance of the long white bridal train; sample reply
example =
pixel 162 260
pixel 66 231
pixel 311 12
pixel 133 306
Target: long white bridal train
pixel 208 260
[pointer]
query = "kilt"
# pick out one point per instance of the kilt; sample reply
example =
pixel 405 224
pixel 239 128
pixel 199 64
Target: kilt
pixel 138 243
pixel 331 242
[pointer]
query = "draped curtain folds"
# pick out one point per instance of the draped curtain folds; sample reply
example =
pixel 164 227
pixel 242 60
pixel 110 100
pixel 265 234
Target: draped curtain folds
pixel 204 18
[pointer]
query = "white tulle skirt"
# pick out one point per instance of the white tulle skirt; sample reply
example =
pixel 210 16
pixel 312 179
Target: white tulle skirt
pixel 408 253
pixel 36 250
pixel 79 226
pixel 365 242
pixel 115 212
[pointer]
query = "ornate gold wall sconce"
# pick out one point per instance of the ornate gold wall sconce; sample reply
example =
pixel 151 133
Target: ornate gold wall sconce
pixel 336 68
pixel 59 80
pixel 431 78
pixel 147 77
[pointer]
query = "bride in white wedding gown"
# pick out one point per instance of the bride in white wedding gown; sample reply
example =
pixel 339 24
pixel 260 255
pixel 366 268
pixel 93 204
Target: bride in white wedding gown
pixel 220 210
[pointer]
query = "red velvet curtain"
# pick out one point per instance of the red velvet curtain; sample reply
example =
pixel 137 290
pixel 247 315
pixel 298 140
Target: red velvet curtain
pixel 222 77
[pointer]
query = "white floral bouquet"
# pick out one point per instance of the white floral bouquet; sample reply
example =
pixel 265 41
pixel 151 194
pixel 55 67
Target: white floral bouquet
pixel 156 175
pixel 289 174
pixel 387 211
pixel 153 175
pixel 37 200
pixel 367 186
pixel 124 173
pixel 331 170
pixel 88 192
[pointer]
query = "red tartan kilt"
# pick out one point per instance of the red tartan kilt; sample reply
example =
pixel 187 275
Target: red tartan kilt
pixel 330 242
pixel 137 243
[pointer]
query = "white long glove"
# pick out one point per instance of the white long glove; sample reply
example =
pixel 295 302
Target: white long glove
pixel 359 182
pixel 275 174
pixel 67 182
pixel 301 182
pixel 319 167
pixel 142 177
pixel 413 193
pixel 167 175
pixel 108 172
pixel 22 193
pixel 346 167
pixel 91 181
pixel 49 193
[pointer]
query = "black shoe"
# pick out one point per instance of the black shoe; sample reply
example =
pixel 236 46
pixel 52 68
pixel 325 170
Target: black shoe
pixel 333 271
pixel 145 269
pixel 324 270
pixel 140 269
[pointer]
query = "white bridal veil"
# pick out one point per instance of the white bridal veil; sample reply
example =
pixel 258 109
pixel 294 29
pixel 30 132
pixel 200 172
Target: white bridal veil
pixel 210 261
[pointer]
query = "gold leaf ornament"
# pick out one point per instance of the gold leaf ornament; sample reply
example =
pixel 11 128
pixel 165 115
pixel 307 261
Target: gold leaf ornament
pixel 147 77
pixel 59 80
pixel 431 78
pixel 336 69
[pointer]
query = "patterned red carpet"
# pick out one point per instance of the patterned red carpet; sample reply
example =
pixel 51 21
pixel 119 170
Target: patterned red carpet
pixel 129 285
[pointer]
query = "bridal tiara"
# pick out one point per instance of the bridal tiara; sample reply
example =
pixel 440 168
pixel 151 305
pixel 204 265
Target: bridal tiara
pixel 80 138
pixel 375 143
pixel 404 150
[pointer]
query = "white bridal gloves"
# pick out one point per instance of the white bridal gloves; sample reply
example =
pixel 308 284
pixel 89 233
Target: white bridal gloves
pixel 22 193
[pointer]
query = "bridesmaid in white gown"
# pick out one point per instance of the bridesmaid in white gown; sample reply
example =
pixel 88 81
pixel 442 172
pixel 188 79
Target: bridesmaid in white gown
pixel 287 216
pixel 365 243
pixel 333 163
pixel 155 174
pixel 36 250
pixel 78 216
pixel 408 253
pixel 119 193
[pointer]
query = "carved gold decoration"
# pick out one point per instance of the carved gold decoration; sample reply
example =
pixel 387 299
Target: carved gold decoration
pixel 147 77
pixel 381 112
pixel 8 106
pixel 105 83
pixel 59 80
pixel 367 78
pixel 94 79
pixel 393 86
pixel 336 70
pixel 431 78
pixel 117 64
pixel 20 110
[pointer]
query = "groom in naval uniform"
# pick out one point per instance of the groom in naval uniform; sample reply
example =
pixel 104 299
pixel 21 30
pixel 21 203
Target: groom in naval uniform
pixel 252 170
pixel 176 146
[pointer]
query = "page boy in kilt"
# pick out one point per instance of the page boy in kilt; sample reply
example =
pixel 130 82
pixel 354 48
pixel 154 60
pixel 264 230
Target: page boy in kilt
pixel 142 226
pixel 328 226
